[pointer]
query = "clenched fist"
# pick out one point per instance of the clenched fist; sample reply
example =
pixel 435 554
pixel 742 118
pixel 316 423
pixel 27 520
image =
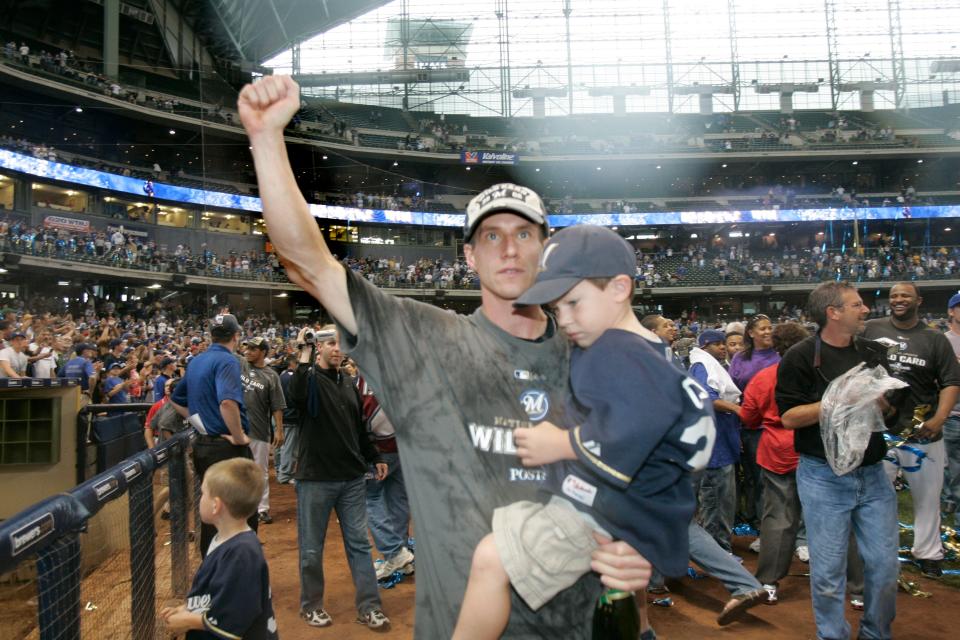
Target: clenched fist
pixel 268 104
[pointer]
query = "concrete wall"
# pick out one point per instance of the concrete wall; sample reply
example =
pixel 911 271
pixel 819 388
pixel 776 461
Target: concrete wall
pixel 24 485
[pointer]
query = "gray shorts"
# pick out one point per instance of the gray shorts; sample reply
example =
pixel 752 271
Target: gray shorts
pixel 544 548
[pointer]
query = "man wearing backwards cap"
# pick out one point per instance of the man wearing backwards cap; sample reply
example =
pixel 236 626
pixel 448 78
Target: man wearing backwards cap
pixel 621 465
pixel 210 396
pixel 456 411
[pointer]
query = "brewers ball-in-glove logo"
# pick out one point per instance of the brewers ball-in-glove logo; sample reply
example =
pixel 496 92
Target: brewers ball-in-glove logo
pixel 536 403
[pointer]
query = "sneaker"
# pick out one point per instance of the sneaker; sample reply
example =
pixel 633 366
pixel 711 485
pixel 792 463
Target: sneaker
pixel 856 603
pixel 402 562
pixel 737 606
pixel 265 517
pixel 317 618
pixel 931 569
pixel 755 546
pixel 374 620
pixel 772 594
pixel 803 553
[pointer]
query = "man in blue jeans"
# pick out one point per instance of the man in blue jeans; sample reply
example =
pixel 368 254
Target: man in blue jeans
pixel 863 500
pixel 951 428
pixel 332 458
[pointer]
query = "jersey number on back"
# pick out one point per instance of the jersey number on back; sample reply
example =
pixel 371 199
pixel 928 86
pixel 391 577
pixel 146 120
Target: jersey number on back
pixel 702 428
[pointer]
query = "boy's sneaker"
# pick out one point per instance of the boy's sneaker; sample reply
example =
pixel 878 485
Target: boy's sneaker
pixel 737 606
pixel 772 595
pixel 931 569
pixel 265 517
pixel 402 562
pixel 317 618
pixel 374 620
pixel 755 546
pixel 803 553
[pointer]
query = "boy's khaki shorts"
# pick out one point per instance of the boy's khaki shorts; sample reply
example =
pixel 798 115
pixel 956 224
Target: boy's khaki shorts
pixel 544 548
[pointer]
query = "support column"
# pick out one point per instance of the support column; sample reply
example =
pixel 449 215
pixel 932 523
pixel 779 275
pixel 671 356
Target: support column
pixel 111 38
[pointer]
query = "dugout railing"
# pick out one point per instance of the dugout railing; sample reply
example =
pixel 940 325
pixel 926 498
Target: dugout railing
pixel 99 560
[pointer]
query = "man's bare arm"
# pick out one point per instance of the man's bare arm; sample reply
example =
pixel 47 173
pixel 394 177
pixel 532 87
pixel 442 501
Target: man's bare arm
pixel 265 108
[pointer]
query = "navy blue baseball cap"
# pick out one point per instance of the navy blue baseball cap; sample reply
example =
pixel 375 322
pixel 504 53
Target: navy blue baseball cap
pixel 710 335
pixel 576 253
pixel 954 301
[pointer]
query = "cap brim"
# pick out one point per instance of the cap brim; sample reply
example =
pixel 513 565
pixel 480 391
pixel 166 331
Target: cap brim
pixel 546 291
pixel 528 214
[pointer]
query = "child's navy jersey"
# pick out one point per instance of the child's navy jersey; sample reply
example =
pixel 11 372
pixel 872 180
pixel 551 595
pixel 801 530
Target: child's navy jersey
pixel 639 426
pixel 232 591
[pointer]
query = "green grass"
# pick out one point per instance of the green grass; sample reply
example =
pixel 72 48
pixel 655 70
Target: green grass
pixel 905 508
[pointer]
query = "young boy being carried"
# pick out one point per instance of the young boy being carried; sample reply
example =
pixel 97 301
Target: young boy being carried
pixel 636 426
pixel 230 595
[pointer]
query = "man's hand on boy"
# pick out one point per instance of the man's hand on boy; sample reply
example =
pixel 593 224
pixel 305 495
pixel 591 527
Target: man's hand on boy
pixel 381 471
pixel 543 444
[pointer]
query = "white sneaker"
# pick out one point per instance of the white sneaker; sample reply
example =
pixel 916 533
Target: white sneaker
pixel 374 620
pixel 803 553
pixel 403 562
pixel 755 546
pixel 317 618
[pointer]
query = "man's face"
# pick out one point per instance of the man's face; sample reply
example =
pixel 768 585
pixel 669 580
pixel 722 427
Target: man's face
pixel 954 314
pixel 717 349
pixel 586 311
pixel 329 355
pixel 853 313
pixel 505 253
pixel 904 302
pixel 667 330
pixel 254 355
pixel 18 344
pixel 734 344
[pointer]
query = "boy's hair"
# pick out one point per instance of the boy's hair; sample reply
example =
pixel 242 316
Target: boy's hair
pixel 238 482
pixel 599 283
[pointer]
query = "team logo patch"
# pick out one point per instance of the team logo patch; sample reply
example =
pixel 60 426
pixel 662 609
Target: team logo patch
pixel 536 403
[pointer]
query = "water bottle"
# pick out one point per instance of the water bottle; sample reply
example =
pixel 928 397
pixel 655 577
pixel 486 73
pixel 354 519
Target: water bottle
pixel 616 616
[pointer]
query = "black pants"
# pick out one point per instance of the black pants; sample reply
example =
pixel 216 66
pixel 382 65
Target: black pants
pixel 207 451
pixel 750 491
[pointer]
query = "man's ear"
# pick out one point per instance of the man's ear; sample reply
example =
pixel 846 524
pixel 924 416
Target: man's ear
pixel 468 254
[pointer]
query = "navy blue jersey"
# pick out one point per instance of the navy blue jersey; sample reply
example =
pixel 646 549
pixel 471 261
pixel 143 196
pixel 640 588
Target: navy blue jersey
pixel 639 426
pixel 81 368
pixel 232 591
pixel 212 377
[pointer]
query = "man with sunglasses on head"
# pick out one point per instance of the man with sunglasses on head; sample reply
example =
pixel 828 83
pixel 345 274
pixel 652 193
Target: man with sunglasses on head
pixel 924 359
pixel 862 500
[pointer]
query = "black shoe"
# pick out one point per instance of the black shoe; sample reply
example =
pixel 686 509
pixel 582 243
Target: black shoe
pixel 931 569
pixel 265 517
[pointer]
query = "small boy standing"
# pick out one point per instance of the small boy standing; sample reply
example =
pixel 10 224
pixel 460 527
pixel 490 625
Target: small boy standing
pixel 635 428
pixel 230 596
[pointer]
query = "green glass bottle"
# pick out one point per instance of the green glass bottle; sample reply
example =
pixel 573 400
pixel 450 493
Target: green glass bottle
pixel 616 616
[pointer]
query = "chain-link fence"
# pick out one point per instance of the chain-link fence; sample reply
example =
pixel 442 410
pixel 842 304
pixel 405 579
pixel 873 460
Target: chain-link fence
pixel 101 560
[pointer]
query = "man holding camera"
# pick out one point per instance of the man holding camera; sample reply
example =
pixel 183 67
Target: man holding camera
pixel 862 501
pixel 924 359
pixel 333 456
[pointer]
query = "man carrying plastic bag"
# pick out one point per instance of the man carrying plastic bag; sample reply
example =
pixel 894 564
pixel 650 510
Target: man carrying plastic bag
pixel 862 500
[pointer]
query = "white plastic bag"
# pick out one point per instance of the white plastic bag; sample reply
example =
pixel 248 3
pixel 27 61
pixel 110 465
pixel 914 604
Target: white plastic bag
pixel 849 413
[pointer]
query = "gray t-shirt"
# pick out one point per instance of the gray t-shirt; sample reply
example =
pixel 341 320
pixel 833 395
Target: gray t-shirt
pixel 456 387
pixel 262 395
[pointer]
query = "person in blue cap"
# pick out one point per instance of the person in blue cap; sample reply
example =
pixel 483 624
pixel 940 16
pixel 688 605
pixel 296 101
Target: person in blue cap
pixel 620 466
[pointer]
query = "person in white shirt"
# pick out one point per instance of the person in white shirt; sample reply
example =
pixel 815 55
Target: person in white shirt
pixel 44 357
pixel 13 361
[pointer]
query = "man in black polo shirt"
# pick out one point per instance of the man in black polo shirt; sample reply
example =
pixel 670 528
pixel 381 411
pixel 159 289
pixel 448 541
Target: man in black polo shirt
pixel 210 396
pixel 862 501
pixel 925 360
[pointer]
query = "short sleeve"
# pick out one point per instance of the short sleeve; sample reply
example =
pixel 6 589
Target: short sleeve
pixel 793 382
pixel 179 395
pixel 228 382
pixel 236 601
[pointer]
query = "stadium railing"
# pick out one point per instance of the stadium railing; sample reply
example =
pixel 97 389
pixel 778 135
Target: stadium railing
pixel 99 560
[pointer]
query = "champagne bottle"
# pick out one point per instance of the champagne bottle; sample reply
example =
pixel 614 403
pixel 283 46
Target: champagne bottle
pixel 616 616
